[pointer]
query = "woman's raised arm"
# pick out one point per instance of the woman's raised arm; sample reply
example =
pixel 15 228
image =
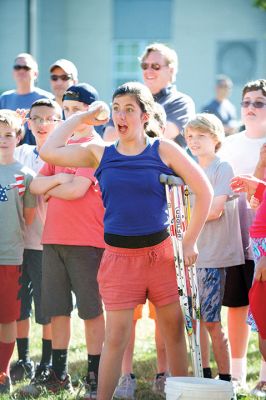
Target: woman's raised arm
pixel 55 151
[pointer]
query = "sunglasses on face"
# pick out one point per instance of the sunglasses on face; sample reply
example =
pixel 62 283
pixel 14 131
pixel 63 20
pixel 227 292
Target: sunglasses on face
pixel 256 104
pixel 64 77
pixel 19 67
pixel 154 66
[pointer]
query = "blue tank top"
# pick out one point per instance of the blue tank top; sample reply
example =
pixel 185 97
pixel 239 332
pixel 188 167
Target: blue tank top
pixel 133 197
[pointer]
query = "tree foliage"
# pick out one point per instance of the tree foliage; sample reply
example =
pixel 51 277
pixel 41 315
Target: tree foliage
pixel 260 4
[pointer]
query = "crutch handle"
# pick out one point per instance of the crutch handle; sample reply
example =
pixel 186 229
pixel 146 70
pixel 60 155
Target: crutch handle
pixel 171 180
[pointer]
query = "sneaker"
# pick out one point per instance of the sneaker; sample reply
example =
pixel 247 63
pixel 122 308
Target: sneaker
pixel 41 369
pixel 21 370
pixel 126 388
pixel 90 385
pixel 239 385
pixel 46 382
pixel 259 390
pixel 159 384
pixel 5 385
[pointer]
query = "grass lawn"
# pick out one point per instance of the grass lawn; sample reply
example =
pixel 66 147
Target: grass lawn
pixel 144 364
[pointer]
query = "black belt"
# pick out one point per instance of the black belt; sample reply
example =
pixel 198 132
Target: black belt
pixel 136 242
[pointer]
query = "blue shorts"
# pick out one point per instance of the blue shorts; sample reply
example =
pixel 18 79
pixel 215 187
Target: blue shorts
pixel 211 283
pixel 31 280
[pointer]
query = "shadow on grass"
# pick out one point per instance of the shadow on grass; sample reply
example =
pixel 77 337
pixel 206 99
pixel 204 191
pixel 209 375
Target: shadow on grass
pixel 144 368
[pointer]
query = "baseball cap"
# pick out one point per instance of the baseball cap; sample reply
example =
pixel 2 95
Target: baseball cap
pixel 67 66
pixel 82 92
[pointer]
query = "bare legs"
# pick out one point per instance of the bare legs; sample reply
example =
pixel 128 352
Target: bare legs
pixel 238 334
pixel 118 331
pixel 220 347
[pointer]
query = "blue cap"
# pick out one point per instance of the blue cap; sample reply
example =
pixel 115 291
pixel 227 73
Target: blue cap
pixel 82 92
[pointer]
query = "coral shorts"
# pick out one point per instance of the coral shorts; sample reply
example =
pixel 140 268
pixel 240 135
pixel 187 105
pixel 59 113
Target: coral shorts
pixel 127 277
pixel 9 290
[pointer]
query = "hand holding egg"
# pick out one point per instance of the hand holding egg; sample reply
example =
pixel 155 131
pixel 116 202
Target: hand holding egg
pixel 104 112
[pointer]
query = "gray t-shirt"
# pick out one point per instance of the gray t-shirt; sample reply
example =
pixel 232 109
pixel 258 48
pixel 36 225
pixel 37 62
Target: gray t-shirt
pixel 220 243
pixel 14 195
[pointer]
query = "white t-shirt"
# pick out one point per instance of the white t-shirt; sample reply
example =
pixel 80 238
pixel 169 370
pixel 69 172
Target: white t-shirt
pixel 27 155
pixel 243 154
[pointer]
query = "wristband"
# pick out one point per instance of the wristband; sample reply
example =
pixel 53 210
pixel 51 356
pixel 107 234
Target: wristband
pixel 259 191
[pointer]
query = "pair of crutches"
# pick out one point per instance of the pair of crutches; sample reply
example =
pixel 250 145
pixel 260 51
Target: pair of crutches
pixel 178 204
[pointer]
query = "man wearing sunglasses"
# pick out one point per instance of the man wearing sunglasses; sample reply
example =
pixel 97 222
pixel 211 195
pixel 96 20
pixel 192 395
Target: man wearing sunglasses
pixel 63 74
pixel 25 73
pixel 159 66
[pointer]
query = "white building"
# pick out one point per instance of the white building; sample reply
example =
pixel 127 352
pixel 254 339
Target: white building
pixel 105 37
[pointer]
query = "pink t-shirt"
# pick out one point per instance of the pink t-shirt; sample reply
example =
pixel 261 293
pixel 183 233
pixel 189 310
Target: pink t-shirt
pixel 76 222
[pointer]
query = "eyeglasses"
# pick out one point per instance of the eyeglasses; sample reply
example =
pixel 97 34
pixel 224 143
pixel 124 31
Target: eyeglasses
pixel 42 121
pixel 19 67
pixel 256 104
pixel 154 66
pixel 64 77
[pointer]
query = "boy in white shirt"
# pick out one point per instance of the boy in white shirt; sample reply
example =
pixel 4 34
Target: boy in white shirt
pixel 242 150
pixel 44 115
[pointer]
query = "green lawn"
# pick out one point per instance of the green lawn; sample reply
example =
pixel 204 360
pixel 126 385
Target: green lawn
pixel 145 358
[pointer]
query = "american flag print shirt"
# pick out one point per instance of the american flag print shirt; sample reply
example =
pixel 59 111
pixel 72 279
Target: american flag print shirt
pixel 14 197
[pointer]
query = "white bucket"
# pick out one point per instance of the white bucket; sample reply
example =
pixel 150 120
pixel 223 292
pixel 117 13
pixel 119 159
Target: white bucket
pixel 189 388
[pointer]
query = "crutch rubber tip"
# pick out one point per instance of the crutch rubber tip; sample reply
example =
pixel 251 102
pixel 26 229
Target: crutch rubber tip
pixel 163 178
pixel 175 181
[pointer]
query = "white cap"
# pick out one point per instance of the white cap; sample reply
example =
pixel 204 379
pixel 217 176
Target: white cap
pixel 67 66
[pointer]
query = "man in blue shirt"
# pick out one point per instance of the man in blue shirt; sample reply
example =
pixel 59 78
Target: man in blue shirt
pixel 221 106
pixel 25 73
